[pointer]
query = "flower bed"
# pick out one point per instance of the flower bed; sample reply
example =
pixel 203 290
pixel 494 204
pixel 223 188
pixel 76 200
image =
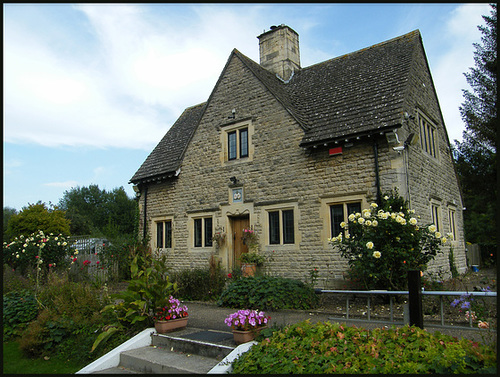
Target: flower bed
pixel 335 348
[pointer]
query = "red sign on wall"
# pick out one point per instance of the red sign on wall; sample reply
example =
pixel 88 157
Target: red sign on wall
pixel 334 151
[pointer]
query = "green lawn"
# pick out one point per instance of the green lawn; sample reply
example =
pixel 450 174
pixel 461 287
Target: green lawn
pixel 15 363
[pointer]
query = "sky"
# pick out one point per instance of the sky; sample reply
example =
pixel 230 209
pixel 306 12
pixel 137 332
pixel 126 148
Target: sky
pixel 90 89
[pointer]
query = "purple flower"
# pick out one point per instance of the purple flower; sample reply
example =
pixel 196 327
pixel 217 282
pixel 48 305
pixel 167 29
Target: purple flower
pixel 455 302
pixel 465 305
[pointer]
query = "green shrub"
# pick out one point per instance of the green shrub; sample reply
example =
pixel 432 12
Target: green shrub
pixel 19 309
pixel 335 348
pixel 14 281
pixel 203 284
pixel 268 293
pixel 148 290
pixel 79 301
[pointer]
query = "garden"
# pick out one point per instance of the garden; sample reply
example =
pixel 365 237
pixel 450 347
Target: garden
pixel 57 313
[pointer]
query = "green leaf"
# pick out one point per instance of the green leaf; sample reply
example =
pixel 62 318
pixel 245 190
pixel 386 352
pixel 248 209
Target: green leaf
pixel 103 337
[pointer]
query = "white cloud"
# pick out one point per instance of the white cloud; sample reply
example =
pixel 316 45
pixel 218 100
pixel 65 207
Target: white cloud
pixel 142 75
pixel 65 185
pixel 459 34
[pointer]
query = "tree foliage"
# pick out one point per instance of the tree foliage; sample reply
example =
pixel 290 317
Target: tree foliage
pixel 38 217
pixel 99 212
pixel 8 212
pixel 479 110
pixel 475 157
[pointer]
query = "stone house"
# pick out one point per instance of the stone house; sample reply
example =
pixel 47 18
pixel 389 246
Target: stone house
pixel 290 151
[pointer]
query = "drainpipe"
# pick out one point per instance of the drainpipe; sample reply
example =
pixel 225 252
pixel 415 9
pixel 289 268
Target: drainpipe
pixel 144 228
pixel 377 179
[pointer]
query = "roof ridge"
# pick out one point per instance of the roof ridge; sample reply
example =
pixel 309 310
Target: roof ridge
pixel 413 33
pixel 283 97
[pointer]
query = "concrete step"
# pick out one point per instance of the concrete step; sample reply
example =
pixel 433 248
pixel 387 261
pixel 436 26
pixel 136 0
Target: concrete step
pixel 190 350
pixel 154 360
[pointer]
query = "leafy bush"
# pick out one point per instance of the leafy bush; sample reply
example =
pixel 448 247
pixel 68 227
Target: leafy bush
pixel 80 300
pixel 19 309
pixel 117 257
pixel 268 293
pixel 384 242
pixel 148 290
pixel 203 284
pixel 334 348
pixel 68 321
pixel 15 281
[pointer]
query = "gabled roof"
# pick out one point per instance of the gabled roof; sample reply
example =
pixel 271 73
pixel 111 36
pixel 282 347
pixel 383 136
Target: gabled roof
pixel 355 94
pixel 166 158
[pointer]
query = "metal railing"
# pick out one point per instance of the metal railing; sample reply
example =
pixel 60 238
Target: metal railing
pixel 392 294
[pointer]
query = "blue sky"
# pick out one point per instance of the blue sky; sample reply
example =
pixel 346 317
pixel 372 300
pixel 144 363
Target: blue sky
pixel 89 89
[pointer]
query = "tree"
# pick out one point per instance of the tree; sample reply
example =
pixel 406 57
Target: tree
pixel 38 217
pixel 475 157
pixel 7 214
pixel 479 110
pixel 99 212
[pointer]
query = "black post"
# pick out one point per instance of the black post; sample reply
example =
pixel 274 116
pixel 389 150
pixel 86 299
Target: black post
pixel 415 299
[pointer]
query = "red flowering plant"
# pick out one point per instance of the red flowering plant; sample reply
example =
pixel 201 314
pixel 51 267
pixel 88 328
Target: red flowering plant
pixel 173 310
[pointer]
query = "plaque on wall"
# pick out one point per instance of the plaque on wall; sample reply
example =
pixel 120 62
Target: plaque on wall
pixel 238 195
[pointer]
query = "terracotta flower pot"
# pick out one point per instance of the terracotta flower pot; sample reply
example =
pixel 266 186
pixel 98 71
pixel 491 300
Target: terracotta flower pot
pixel 244 336
pixel 248 269
pixel 163 327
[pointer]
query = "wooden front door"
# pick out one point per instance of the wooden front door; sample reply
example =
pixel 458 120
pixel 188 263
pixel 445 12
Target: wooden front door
pixel 238 224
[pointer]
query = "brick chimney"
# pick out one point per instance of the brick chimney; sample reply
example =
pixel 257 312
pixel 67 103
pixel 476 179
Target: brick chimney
pixel 279 51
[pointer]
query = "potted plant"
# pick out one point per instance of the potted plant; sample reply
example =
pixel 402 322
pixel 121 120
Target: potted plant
pixel 246 324
pixel 170 317
pixel 219 239
pixel 250 261
pixel 250 238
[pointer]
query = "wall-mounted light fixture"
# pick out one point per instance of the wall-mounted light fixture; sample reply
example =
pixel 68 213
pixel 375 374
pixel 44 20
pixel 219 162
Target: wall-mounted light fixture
pixel 392 137
pixel 408 116
pixel 233 114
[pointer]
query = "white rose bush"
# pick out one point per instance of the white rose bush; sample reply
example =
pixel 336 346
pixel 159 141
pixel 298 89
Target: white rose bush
pixel 382 243
pixel 38 250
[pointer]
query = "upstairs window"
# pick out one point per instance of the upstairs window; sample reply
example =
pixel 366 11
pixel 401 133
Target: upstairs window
pixel 428 136
pixel 236 140
pixel 237 144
